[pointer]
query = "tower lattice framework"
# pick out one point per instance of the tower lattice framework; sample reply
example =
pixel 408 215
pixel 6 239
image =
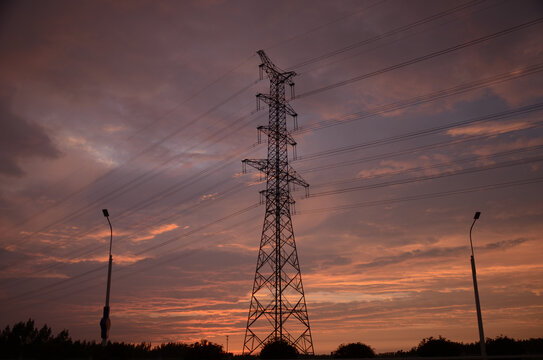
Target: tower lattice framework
pixel 278 309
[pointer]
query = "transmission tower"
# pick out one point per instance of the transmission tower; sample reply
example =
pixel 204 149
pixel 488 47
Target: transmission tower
pixel 278 310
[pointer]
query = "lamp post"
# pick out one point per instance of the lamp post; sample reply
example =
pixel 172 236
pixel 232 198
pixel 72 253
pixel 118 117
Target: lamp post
pixel 105 323
pixel 476 290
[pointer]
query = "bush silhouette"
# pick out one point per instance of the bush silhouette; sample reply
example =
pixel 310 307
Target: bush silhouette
pixel 438 347
pixel 203 350
pixel 532 346
pixel 502 345
pixel 353 350
pixel 278 349
pixel 25 339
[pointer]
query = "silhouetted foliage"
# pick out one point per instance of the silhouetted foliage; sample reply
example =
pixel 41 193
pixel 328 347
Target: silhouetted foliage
pixel 24 340
pixel 353 350
pixel 278 349
pixel 438 347
pixel 399 353
pixel 116 350
pixel 200 350
pixel 533 346
pixel 502 345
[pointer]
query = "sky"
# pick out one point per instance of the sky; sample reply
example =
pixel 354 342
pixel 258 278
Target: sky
pixel 412 115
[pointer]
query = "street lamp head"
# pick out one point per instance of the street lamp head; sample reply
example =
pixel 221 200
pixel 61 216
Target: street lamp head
pixel 477 214
pixel 106 214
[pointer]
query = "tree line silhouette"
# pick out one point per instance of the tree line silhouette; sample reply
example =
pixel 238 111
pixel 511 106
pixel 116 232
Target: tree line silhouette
pixel 26 341
pixel 500 345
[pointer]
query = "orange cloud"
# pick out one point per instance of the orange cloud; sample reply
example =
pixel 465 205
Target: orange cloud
pixel 489 129
pixel 208 196
pixel 161 229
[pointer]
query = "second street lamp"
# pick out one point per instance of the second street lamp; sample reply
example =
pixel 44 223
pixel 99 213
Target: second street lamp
pixel 476 290
pixel 105 323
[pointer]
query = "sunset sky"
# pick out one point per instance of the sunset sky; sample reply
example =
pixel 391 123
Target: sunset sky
pixel 412 116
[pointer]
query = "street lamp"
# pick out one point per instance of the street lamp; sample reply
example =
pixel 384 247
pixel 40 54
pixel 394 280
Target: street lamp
pixel 105 323
pixel 476 290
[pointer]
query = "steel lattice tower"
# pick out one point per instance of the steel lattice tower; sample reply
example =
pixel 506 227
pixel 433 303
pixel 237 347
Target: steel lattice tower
pixel 278 310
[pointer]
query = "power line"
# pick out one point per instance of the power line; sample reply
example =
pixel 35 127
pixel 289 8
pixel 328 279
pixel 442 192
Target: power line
pixel 114 193
pixel 187 182
pixel 344 207
pixel 128 272
pixel 93 248
pixel 416 149
pixel 415 134
pixel 389 33
pixel 350 14
pixel 176 187
pixel 131 272
pixel 171 190
pixel 439 194
pixel 311 211
pixel 421 99
pixel 142 152
pixel 400 137
pixel 422 58
pixel 217 221
pixel 381 184
pixel 470 170
pixel 431 167
pixel 192 96
pixel 529 108
pixel 401 38
pixel 146 250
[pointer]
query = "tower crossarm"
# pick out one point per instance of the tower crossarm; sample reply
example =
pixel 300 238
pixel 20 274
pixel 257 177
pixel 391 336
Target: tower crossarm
pixel 271 132
pixel 294 177
pixel 259 164
pixel 273 71
pixel 270 100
